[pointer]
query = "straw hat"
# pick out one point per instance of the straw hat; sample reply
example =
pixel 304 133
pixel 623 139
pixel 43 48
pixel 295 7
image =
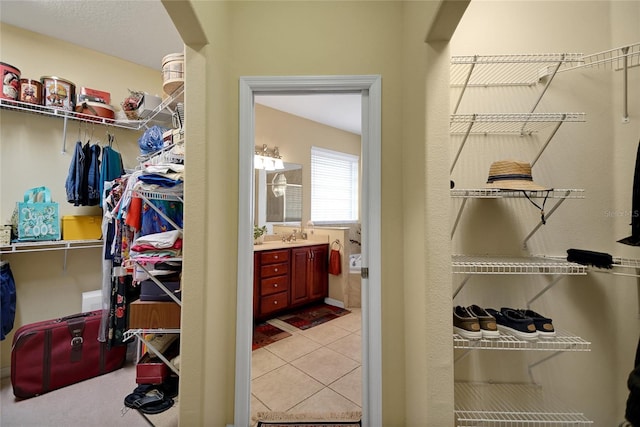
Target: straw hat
pixel 512 175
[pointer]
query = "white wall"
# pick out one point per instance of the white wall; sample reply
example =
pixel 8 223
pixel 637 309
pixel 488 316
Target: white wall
pixel 598 156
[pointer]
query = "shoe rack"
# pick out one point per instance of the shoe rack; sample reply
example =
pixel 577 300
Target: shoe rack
pixel 483 403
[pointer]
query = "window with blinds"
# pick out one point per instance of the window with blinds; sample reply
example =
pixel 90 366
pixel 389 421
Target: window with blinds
pixel 334 186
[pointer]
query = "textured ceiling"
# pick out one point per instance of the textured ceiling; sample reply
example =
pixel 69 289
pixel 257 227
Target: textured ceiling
pixel 137 31
pixel 141 32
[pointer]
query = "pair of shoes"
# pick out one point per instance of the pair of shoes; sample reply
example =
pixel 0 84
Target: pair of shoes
pixel 474 323
pixel 153 398
pixel 152 401
pixel 523 323
pixel 544 325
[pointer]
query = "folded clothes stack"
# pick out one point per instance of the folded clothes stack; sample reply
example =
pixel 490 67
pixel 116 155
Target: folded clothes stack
pixel 475 323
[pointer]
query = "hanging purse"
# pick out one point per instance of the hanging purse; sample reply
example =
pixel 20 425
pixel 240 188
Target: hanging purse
pixel 335 264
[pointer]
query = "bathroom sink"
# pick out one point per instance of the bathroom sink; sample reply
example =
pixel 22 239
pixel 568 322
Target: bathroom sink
pixel 274 244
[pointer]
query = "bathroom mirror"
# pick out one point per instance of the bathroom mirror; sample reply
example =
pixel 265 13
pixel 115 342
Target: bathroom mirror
pixel 279 194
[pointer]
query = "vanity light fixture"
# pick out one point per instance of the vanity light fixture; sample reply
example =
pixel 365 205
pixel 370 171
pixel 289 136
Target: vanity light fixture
pixel 267 159
pixel 279 184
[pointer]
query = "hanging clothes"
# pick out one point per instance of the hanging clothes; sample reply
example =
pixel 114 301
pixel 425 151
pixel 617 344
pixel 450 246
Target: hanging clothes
pixel 111 167
pixel 83 179
pixel 7 299
pixel 93 176
pixel 634 239
pixel 75 177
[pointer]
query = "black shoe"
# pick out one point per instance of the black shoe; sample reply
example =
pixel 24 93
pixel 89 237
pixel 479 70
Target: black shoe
pixel 544 325
pixel 515 323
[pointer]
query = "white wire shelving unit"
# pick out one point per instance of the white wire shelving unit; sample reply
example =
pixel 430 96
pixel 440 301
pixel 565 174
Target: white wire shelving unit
pixel 621 58
pixel 140 334
pixel 51 245
pixel 560 195
pixel 465 264
pixel 485 404
pixel 523 124
pixel 563 341
pixel 619 264
pixel 67 115
pixel 507 70
pixel 537 265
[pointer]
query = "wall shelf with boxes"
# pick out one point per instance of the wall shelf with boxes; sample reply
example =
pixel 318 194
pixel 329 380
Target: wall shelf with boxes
pixel 151 118
pixel 506 403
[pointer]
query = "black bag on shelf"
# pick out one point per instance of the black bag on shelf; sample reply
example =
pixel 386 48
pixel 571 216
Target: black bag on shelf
pixel 596 259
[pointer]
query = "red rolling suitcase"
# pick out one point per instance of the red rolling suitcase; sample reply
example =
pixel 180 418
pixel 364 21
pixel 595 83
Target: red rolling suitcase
pixel 51 354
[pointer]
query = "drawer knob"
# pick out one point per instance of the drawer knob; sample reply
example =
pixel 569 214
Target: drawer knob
pixel 275 285
pixel 275 256
pixel 275 269
pixel 275 302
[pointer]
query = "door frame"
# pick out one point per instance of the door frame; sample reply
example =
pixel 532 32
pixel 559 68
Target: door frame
pixel 370 86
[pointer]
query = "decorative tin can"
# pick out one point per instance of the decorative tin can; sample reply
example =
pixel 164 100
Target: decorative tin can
pixel 31 91
pixel 10 81
pixel 58 93
pixel 172 72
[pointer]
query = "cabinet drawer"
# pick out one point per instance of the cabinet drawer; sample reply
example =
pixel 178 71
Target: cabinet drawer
pixel 274 270
pixel 273 302
pixel 273 285
pixel 270 257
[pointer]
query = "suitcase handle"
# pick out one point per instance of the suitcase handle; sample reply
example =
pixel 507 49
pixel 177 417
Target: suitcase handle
pixel 74 316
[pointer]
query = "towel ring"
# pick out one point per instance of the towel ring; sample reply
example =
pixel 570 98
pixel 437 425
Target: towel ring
pixel 336 242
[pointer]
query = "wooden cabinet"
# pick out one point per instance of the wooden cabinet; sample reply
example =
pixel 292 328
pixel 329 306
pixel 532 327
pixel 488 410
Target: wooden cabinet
pixel 270 282
pixel 309 279
pixel 289 277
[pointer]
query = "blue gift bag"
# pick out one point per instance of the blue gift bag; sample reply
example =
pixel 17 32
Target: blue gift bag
pixel 37 217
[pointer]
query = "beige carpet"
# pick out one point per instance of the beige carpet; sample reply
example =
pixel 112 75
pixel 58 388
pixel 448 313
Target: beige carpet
pixel 97 402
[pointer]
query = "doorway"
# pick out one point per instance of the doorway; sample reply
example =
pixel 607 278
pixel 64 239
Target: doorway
pixel 370 89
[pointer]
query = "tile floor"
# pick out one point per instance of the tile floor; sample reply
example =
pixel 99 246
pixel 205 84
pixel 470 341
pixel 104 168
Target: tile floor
pixel 315 370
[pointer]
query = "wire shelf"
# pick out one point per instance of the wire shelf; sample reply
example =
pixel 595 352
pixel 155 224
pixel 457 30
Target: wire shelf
pixel 65 114
pixel 508 123
pixel 128 334
pixel 504 70
pixel 165 155
pixel 51 245
pixel 609 59
pixel 492 193
pixel 156 195
pixel 626 262
pixel 563 341
pixel 511 404
pixel 462 264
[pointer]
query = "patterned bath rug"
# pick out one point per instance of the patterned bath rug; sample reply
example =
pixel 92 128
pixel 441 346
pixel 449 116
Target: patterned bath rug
pixel 265 334
pixel 314 315
pixel 281 419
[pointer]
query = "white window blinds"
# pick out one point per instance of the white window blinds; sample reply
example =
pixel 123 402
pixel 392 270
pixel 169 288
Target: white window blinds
pixel 334 185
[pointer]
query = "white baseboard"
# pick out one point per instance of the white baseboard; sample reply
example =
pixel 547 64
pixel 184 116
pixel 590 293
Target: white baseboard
pixel 334 302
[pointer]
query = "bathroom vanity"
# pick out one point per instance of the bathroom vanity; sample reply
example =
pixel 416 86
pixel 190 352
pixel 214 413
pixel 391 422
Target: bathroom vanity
pixel 288 275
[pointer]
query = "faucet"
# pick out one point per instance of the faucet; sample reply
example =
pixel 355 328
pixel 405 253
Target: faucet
pixel 290 237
